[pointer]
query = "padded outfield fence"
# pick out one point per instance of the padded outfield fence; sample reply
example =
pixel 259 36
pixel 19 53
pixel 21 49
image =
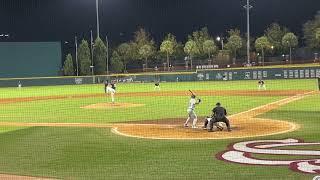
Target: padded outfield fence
pixel 200 75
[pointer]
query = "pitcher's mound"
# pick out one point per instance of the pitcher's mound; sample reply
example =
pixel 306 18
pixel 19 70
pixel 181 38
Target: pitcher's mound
pixel 111 105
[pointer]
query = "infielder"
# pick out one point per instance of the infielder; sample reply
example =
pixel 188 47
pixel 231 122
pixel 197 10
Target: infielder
pixel 157 86
pixel 219 114
pixel 191 113
pixel 110 88
pixel 261 85
pixel 19 85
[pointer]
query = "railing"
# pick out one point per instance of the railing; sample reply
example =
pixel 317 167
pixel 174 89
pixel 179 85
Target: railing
pixel 181 67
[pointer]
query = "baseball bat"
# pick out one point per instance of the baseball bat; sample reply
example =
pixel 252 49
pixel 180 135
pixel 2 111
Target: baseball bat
pixel 191 92
pixel 199 100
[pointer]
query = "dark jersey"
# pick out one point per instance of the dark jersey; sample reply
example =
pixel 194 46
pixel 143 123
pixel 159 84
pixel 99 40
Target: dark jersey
pixel 113 86
pixel 261 82
pixel 219 112
pixel 105 86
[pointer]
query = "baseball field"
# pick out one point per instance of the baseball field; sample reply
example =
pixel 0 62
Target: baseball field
pixel 74 132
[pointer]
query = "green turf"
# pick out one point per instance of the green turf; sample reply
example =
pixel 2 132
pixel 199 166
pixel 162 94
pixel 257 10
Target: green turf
pixel 305 112
pixel 155 108
pixel 91 153
pixel 8 129
pixel 310 84
pixel 79 153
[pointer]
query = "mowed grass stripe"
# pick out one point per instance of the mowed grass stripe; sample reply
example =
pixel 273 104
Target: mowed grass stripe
pixel 70 110
pixel 306 84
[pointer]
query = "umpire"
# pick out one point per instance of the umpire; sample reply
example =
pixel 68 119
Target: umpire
pixel 219 115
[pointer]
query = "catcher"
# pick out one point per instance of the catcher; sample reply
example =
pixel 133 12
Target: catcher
pixel 219 114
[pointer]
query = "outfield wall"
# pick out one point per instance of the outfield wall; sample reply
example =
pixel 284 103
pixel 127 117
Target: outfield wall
pixel 261 73
pixel 30 59
pixel 202 75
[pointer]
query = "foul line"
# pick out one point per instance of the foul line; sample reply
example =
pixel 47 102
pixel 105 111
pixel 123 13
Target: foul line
pixel 293 128
pixel 279 103
pixel 116 131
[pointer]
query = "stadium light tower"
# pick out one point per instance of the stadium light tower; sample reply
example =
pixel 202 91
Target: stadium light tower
pixel 248 7
pixel 97 13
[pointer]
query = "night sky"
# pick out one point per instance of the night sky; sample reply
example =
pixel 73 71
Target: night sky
pixel 61 20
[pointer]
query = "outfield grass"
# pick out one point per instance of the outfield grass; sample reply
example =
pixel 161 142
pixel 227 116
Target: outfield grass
pixel 81 153
pixel 68 110
pixel 310 84
pixel 8 129
pixel 92 153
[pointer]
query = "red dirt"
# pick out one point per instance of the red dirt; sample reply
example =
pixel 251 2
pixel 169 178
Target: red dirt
pixel 15 177
pixel 161 93
pixel 112 106
pixel 244 124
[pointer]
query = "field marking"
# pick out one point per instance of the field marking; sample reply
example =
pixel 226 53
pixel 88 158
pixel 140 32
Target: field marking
pixel 19 177
pixel 279 103
pixel 294 127
pixel 88 125
pixel 114 126
pixel 252 93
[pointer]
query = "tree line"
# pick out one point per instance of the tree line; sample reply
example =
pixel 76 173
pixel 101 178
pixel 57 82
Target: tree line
pixel 200 45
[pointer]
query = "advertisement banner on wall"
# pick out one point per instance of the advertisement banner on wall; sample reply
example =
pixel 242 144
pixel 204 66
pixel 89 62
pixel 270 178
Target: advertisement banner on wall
pixel 255 74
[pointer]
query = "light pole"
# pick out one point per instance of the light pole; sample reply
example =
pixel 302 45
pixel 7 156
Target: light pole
pixel 76 53
pixel 77 63
pixel 92 65
pixel 222 43
pixel 248 7
pixel 91 44
pixel 93 80
pixel 107 43
pixel 97 13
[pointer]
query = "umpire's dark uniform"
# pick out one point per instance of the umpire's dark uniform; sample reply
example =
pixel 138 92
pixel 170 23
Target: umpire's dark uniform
pixel 219 115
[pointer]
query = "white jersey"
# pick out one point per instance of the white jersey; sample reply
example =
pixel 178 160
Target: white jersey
pixel 192 104
pixel 110 90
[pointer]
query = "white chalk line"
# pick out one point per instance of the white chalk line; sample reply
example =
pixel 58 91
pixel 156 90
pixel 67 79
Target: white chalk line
pixel 294 127
pixel 281 102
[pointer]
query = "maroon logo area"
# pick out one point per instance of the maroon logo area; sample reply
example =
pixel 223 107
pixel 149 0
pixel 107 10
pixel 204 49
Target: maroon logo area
pixel 242 152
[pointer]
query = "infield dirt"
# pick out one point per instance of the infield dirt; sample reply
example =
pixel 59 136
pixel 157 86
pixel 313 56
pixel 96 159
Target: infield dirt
pixel 244 124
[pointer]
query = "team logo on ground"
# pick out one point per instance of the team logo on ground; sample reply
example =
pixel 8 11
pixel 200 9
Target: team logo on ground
pixel 242 153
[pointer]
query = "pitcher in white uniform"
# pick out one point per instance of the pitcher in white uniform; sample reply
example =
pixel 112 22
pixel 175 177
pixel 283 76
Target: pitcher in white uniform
pixel 110 88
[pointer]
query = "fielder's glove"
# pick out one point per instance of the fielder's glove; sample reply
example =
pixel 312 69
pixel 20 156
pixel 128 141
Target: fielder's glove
pixel 199 100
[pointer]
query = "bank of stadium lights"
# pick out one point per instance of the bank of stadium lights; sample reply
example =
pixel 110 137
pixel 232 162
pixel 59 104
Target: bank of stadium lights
pixel 4 35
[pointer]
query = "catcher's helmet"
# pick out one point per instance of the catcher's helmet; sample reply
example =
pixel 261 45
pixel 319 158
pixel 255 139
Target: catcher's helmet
pixel 218 104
